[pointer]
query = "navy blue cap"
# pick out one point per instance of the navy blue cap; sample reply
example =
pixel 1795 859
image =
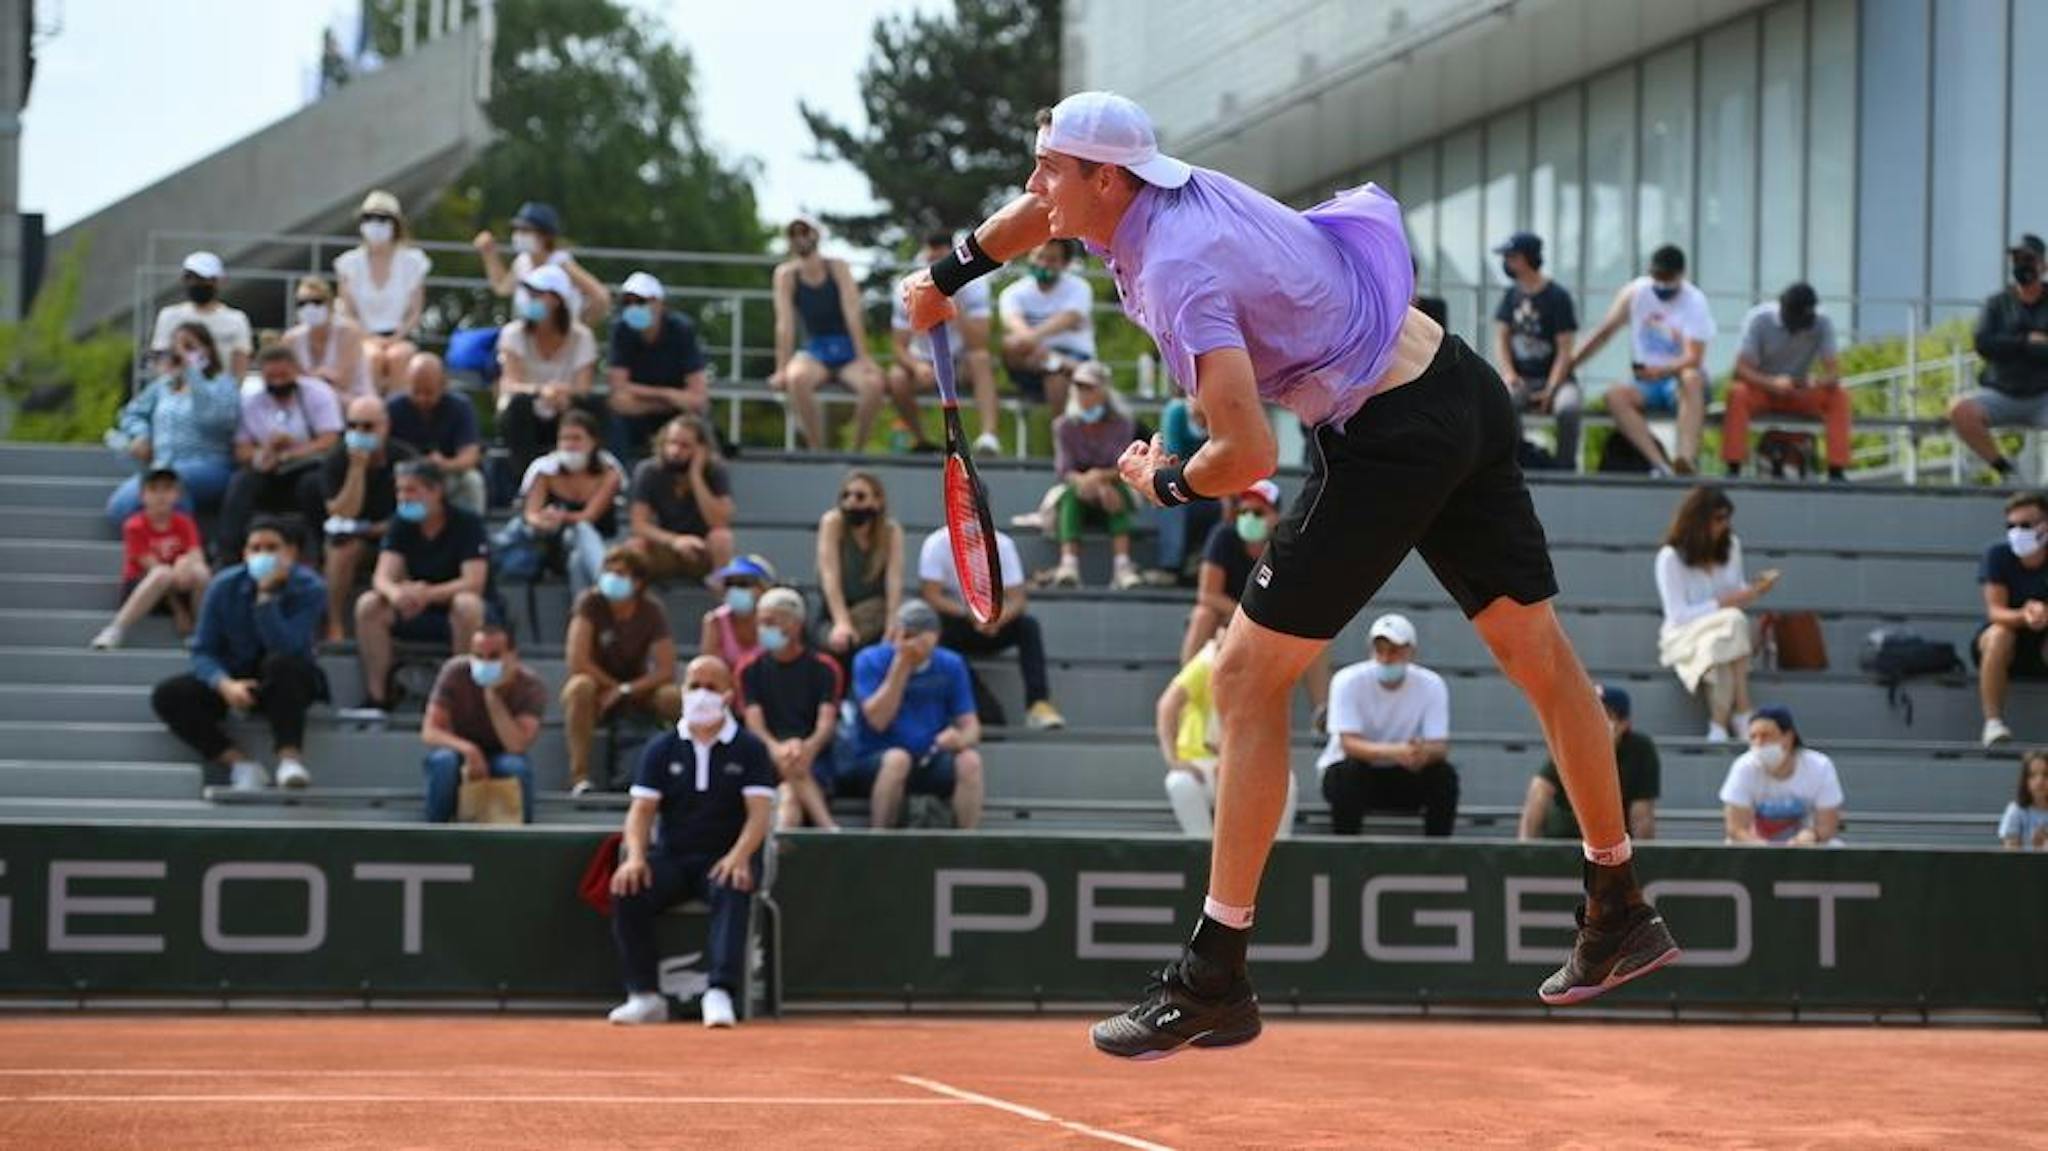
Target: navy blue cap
pixel 2030 244
pixel 1615 700
pixel 1527 243
pixel 538 216
pixel 1778 714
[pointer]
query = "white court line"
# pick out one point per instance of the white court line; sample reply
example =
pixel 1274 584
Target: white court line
pixel 1031 1113
pixel 682 1100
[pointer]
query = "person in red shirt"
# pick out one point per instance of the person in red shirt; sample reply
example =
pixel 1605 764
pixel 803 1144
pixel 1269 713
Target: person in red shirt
pixel 161 561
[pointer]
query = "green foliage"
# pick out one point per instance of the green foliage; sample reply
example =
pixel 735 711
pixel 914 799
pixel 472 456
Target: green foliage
pixel 63 388
pixel 949 101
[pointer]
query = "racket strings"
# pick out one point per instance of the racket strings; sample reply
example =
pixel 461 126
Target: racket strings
pixel 970 545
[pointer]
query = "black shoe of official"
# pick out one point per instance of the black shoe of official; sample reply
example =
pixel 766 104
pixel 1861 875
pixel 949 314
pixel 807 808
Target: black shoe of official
pixel 1174 1014
pixel 1604 957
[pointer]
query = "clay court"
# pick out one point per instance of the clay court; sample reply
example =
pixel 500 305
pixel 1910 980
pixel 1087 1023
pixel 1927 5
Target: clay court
pixel 844 1082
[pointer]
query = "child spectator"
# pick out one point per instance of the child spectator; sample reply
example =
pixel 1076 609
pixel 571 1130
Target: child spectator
pixel 2024 826
pixel 161 561
pixel 1547 810
pixel 183 420
pixel 682 507
pixel 570 498
pixel 1086 444
pixel 482 718
pixel 918 727
pixel 621 658
pixel 2013 643
pixel 791 701
pixel 1705 637
pixel 860 565
pixel 1780 790
pixel 732 630
pixel 1185 721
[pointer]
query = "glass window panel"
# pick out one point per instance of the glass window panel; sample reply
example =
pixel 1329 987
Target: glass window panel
pixel 1556 186
pixel 1727 265
pixel 1969 153
pixel 1891 244
pixel 1416 189
pixel 1664 184
pixel 1610 180
pixel 1831 203
pixel 1460 267
pixel 1507 159
pixel 2027 200
pixel 1781 150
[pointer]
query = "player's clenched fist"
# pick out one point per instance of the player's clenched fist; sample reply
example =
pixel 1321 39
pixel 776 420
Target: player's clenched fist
pixel 926 306
pixel 1142 459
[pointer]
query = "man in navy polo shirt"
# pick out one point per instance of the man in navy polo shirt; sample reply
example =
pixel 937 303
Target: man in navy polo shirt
pixel 703 794
pixel 657 368
pixel 918 726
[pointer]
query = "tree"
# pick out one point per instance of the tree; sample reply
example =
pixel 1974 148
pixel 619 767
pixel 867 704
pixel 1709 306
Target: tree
pixel 58 386
pixel 949 103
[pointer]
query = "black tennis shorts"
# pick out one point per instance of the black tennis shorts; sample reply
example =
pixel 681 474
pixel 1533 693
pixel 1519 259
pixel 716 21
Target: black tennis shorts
pixel 1427 467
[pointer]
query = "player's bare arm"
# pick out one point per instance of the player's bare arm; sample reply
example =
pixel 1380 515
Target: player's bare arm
pixel 1017 227
pixel 1241 450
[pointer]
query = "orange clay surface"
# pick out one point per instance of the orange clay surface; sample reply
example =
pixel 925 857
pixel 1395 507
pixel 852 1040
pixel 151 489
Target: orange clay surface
pixel 366 1082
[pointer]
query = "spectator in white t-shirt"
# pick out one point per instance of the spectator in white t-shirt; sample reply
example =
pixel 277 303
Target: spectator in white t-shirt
pixel 1780 790
pixel 201 277
pixel 939 582
pixel 328 345
pixel 1048 325
pixel 1669 325
pixel 2024 826
pixel 1390 730
pixel 537 243
pixel 1705 636
pixel 384 288
pixel 547 360
pixel 912 372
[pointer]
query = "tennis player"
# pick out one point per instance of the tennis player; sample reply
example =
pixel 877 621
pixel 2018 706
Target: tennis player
pixel 1250 301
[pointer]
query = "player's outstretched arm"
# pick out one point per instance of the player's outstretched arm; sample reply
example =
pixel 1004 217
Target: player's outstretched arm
pixel 1017 227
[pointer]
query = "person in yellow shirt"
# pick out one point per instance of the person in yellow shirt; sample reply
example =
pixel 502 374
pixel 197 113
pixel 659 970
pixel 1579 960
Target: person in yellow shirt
pixel 1188 738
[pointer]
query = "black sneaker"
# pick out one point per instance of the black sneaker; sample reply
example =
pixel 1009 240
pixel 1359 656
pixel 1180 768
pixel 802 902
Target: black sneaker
pixel 1604 958
pixel 1173 1015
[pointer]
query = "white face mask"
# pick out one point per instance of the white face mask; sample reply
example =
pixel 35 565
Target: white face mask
pixel 703 707
pixel 1771 756
pixel 313 315
pixel 2024 541
pixel 527 243
pixel 572 461
pixel 377 231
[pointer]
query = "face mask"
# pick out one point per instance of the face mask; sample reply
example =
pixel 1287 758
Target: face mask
pixel 1093 415
pixel 526 243
pixel 1771 756
pixel 572 461
pixel 703 707
pixel 773 639
pixel 859 516
pixel 2025 273
pixel 1507 269
pixel 1251 527
pixel 313 315
pixel 361 441
pixel 533 309
pixel 486 672
pixel 195 361
pixel 1045 276
pixel 2024 541
pixel 412 511
pixel 1389 673
pixel 614 586
pixel 281 392
pixel 1665 293
pixel 740 600
pixel 377 231
pixel 201 293
pixel 638 317
pixel 262 565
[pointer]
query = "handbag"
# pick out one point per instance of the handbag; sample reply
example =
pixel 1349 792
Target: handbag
pixel 495 800
pixel 1794 639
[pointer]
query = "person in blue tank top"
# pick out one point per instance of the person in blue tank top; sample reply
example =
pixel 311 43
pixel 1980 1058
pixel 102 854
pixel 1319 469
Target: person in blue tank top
pixel 819 294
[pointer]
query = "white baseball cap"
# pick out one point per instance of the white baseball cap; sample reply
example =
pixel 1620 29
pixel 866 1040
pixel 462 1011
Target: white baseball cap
pixel 550 278
pixel 204 265
pixel 1395 629
pixel 1110 129
pixel 642 285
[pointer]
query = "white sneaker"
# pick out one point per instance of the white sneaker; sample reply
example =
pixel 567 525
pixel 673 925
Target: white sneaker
pixel 248 775
pixel 987 444
pixel 1068 574
pixel 718 1008
pixel 580 788
pixel 1995 732
pixel 1718 734
pixel 108 639
pixel 366 717
pixel 293 774
pixel 641 1007
pixel 1126 577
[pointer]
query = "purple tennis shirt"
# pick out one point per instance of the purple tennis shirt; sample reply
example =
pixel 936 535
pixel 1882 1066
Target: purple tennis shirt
pixel 1316 298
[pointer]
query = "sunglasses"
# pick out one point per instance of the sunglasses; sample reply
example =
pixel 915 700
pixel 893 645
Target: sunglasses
pixel 2023 526
pixel 367 217
pixel 361 426
pixel 309 301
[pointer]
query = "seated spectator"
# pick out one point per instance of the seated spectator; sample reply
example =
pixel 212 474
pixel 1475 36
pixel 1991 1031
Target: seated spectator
pixel 183 421
pixel 1189 733
pixel 822 294
pixel 1705 636
pixel 1232 548
pixel 1015 627
pixel 860 565
pixel 1182 427
pixel 732 630
pixel 1780 790
pixel 537 243
pixel 1048 325
pixel 162 562
pixel 701 803
pixel 285 431
pixel 482 718
pixel 655 370
pixel 791 696
pixel 384 288
pixel 682 508
pixel 545 363
pixel 327 344
pixel 1390 730
pixel 1787 365
pixel 1086 444
pixel 918 729
pixel 2024 826
pixel 354 495
pixel 253 652
pixel 569 499
pixel 912 372
pixel 441 426
pixel 2012 336
pixel 1533 331
pixel 2013 643
pixel 1670 324
pixel 201 277
pixel 622 659
pixel 1547 810
pixel 431 584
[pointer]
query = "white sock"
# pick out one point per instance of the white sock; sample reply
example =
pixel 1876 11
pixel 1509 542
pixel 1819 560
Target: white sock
pixel 1223 913
pixel 1614 856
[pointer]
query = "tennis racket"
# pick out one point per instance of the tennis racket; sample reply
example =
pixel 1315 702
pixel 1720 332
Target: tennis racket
pixel 968 522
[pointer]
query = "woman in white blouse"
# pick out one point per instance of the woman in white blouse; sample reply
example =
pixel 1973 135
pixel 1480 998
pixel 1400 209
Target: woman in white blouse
pixel 384 288
pixel 546 361
pixel 1705 637
pixel 327 344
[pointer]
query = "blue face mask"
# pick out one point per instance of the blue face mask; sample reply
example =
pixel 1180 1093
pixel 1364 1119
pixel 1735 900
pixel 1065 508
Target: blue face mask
pixel 412 511
pixel 613 586
pixel 486 672
pixel 1094 415
pixel 361 441
pixel 638 317
pixel 740 600
pixel 262 565
pixel 533 310
pixel 1389 674
pixel 772 639
pixel 1667 294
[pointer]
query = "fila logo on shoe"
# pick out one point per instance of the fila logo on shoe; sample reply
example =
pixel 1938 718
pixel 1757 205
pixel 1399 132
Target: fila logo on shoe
pixel 1167 1016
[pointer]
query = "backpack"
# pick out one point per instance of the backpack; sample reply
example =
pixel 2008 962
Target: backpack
pixel 1618 455
pixel 1894 655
